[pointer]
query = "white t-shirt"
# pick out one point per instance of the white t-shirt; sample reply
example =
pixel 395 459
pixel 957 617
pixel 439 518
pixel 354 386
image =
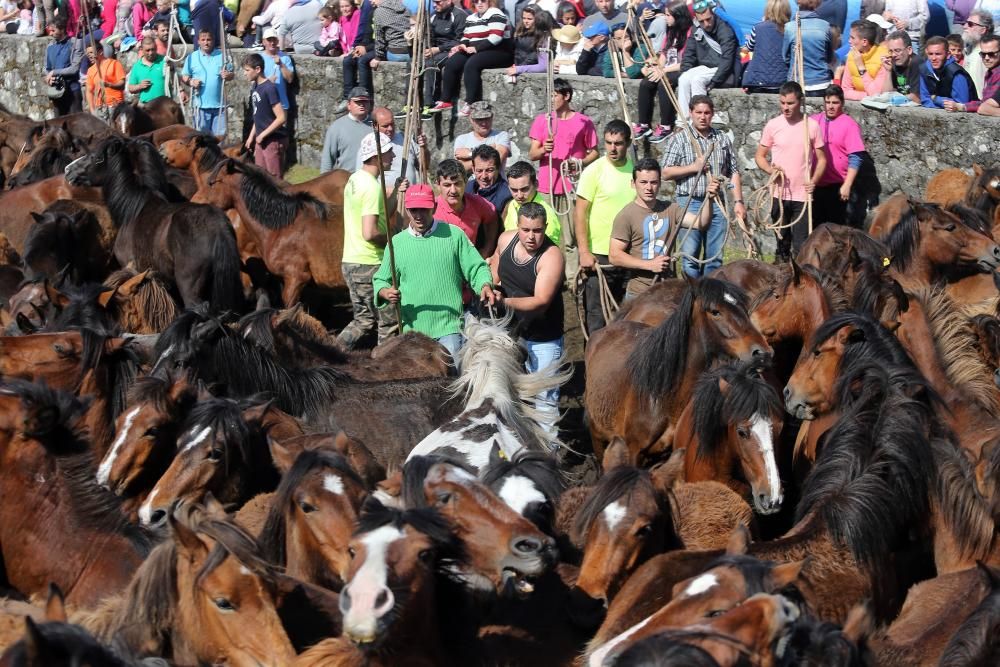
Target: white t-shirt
pixel 495 138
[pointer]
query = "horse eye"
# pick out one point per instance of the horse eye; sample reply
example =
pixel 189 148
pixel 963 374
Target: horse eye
pixel 62 350
pixel 644 530
pixel 214 454
pixel 950 228
pixel 152 432
pixel 307 507
pixel 777 297
pixel 816 352
pixel 715 312
pixel 426 556
pixel 224 605
pixel 715 612
pixel 743 433
pixel 351 552
pixel 443 498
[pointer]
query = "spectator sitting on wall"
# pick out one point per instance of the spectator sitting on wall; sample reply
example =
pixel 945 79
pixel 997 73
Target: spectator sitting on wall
pixel 978 25
pixel 391 21
pixel 329 36
pixel 943 80
pixel 364 43
pixel 989 47
pixel 447 28
pixel 711 61
pixel 301 26
pixel 595 49
pixel 863 75
pixel 817 49
pixel 569 46
pixel 62 69
pixel 768 68
pixel 903 69
pixel 956 48
pixel 272 16
pixel 678 22
pixel 481 118
pixel 531 43
pixel 343 137
pixel 487 178
pixel 387 125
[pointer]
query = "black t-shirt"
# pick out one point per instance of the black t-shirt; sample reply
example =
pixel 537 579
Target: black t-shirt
pixel 907 82
pixel 263 98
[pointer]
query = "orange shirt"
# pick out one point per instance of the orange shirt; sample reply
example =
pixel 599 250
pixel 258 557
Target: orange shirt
pixel 102 96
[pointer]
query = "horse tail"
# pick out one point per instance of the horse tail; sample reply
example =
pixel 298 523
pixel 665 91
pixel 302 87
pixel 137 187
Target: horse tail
pixel 227 290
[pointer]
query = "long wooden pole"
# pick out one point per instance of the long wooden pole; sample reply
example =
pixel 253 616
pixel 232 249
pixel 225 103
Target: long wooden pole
pixel 411 95
pixel 388 227
pixel 805 115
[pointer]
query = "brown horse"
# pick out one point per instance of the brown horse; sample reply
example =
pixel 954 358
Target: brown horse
pixel 729 432
pixel 313 514
pixel 17 205
pixel 749 274
pixel 206 595
pixel 132 118
pixel 46 154
pixel 15 131
pixel 56 525
pixel 639 378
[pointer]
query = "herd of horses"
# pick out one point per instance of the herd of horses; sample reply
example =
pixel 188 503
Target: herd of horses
pixel 798 464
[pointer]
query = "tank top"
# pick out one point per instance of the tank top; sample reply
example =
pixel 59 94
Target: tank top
pixel 518 280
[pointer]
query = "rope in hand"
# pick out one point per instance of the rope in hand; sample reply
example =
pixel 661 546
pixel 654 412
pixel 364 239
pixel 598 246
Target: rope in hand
pixel 609 306
pixel 759 209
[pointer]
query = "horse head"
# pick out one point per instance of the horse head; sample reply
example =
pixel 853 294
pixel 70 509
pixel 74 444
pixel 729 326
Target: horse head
pixel 791 309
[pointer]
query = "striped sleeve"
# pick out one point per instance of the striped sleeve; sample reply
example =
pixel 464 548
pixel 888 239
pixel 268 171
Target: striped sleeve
pixel 486 31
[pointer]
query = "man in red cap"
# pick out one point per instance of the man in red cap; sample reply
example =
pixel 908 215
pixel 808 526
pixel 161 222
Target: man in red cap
pixel 433 260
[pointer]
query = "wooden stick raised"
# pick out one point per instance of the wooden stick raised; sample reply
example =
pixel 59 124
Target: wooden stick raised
pixel 388 227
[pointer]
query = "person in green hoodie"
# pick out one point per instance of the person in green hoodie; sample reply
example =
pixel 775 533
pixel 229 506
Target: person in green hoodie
pixel 433 260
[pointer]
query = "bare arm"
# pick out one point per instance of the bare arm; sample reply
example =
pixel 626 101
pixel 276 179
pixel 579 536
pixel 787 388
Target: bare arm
pixel 587 259
pixel 536 152
pixel 989 108
pixel 591 155
pixel 760 157
pixel 619 257
pixel 683 171
pixel 370 230
pixel 547 282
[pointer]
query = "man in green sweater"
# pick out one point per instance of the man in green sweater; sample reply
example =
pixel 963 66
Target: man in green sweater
pixel 433 260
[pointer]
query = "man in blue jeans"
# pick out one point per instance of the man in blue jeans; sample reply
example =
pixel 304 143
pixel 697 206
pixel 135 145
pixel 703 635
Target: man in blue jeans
pixel 204 72
pixel 697 182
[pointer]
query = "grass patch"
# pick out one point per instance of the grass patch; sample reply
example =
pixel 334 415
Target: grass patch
pixel 300 173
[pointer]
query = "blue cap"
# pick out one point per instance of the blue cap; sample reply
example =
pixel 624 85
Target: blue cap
pixel 595 29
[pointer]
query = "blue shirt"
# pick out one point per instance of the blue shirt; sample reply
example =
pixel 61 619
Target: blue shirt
pixel 273 72
pixel 208 69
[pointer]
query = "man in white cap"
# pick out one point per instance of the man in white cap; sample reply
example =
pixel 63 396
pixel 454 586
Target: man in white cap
pixel 365 233
pixel 343 137
pixel 278 65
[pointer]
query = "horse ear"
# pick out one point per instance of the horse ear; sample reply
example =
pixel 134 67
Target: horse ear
pixel 104 298
pixel 55 296
pixel 860 623
pixel 255 413
pixel 977 169
pixel 890 325
pixel 796 272
pixel 667 474
pixel 496 455
pixel 390 490
pixel 786 573
pixel 55 605
pixel 283 456
pixel 203 393
pixel 854 258
pixel 616 455
pixel 127 288
pixel 189 544
pixel 33 642
pixel 739 541
pixel 213 508
pixel 723 386
pixel 24 324
pixel 38 217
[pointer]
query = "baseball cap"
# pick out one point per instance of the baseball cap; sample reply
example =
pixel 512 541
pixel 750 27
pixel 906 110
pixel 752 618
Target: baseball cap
pixel 480 110
pixel 270 33
pixel 359 93
pixel 880 21
pixel 368 150
pixel 595 29
pixel 420 196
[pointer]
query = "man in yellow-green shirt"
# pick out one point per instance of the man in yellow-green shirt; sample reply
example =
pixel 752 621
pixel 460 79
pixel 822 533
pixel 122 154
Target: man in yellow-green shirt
pixel 365 227
pixel 605 188
pixel 523 184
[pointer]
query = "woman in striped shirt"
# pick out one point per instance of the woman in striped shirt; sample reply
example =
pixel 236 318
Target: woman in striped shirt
pixel 486 43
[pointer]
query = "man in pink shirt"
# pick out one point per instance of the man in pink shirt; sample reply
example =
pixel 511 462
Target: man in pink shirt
pixel 784 138
pixel 574 136
pixel 838 197
pixel 465 210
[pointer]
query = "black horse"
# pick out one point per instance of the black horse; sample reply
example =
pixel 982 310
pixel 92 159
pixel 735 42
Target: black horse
pixel 192 244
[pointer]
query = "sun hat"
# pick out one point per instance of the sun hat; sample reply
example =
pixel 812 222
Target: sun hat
pixel 568 34
pixel 420 196
pixel 880 21
pixel 368 149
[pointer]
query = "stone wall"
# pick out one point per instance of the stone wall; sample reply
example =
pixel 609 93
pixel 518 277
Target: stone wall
pixel 909 144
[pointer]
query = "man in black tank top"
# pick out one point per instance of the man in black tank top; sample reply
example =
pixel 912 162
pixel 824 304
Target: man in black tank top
pixel 529 269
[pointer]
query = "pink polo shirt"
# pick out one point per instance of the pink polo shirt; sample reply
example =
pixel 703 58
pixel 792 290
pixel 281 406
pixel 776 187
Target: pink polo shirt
pixel 477 211
pixel 841 137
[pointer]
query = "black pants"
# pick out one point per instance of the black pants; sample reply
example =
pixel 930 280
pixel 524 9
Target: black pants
pixel 70 102
pixel 793 237
pixel 470 68
pixel 617 282
pixel 433 69
pixel 647 90
pixel 829 207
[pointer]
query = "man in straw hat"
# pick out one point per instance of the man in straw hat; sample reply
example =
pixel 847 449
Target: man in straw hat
pixel 433 261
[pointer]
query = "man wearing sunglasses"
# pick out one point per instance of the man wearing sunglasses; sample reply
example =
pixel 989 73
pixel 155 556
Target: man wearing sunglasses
pixel 712 60
pixel 977 27
pixel 989 53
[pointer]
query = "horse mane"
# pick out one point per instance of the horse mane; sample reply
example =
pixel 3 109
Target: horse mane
pixel 426 520
pixel 871 339
pixel 968 514
pixel 262 325
pixel 972 217
pixel 904 238
pixel 232 540
pixel 748 394
pixel 875 473
pixel 123 109
pixel 832 286
pixel 665 648
pixel 955 341
pixel 272 535
pixel 152 306
pixel 657 363
pixel 121 366
pixel 225 416
pixel 136 174
pixel 975 642
pixel 540 468
pixel 271 205
pixel 211 151
pixel 415 472
pixel 72 642
pixel 876 293
pixel 43 234
pixel 44 162
pixel 156 390
pixel 492 368
pixel 83 311
pixel 622 481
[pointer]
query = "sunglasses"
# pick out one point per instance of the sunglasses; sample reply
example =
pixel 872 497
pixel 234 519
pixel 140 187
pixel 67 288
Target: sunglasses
pixel 989 54
pixel 973 24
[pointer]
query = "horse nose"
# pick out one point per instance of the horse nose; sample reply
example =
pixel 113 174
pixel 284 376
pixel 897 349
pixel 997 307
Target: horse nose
pixel 996 251
pixel 157 517
pixel 527 546
pixel 787 393
pixel 996 377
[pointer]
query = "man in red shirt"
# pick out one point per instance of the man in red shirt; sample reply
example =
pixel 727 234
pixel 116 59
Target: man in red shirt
pixel 470 213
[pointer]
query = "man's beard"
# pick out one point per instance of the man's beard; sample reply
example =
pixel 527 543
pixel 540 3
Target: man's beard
pixel 970 41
